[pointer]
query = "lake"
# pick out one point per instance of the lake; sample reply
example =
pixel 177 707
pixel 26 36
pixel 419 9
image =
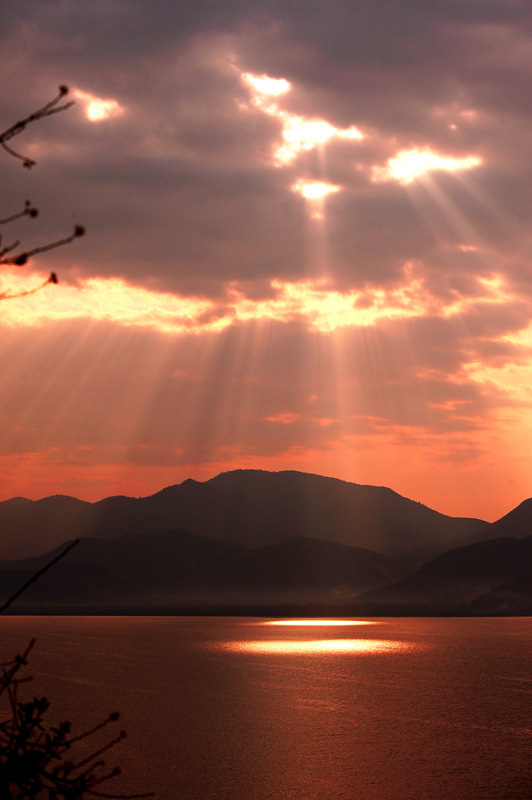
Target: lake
pixel 238 709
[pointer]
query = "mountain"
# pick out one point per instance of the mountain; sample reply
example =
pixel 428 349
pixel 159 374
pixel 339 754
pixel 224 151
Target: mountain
pixel 249 507
pixel 180 568
pixel 34 526
pixel 517 523
pixel 455 580
pixel 511 598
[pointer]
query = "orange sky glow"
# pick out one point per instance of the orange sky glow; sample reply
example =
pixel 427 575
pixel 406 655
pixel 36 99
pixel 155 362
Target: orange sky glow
pixel 296 258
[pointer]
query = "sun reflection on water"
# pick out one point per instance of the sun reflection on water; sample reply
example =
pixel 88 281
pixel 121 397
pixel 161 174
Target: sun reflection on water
pixel 295 642
pixel 319 622
pixel 312 646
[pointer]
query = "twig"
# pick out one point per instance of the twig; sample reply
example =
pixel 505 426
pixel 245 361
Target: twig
pixel 21 259
pixel 46 111
pixel 38 574
pixel 10 295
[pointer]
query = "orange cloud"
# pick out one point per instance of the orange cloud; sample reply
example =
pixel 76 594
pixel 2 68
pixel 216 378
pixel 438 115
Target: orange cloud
pixel 108 299
pixel 322 308
pixel 284 419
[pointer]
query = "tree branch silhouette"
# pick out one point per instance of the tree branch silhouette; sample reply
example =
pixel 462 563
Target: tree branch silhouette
pixel 47 110
pixel 20 259
pixel 33 755
pixel 37 575
pixel 36 759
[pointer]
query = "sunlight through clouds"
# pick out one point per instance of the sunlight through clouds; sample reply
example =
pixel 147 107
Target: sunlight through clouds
pixel 314 190
pixel 324 309
pixel 326 203
pixel 264 85
pixel 408 165
pixel 299 133
pixel 96 108
pixel 112 300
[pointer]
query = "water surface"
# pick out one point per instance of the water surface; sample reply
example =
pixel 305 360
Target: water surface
pixel 236 709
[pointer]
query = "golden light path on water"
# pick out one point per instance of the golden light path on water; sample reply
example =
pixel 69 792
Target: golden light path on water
pixel 311 646
pixel 322 623
pixel 298 646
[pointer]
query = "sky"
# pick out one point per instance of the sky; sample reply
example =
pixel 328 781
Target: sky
pixel 308 246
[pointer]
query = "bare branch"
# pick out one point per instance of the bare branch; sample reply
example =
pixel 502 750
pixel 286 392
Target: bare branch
pixel 10 295
pixel 46 111
pixel 22 258
pixel 8 248
pixel 28 210
pixel 38 574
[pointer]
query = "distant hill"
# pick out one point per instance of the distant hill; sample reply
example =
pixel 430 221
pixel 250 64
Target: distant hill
pixel 517 524
pixel 514 597
pixel 180 568
pixel 457 579
pixel 249 507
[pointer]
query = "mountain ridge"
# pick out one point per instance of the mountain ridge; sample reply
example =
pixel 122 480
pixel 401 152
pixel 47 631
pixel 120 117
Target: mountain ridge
pixel 252 507
pixel 179 567
pixel 458 579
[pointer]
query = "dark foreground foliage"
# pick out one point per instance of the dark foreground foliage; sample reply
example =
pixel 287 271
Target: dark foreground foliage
pixel 39 760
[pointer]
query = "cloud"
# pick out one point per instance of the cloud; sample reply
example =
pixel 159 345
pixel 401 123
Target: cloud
pixel 491 311
pixel 238 240
pixel 193 199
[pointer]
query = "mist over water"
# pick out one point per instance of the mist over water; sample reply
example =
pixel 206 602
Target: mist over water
pixel 236 709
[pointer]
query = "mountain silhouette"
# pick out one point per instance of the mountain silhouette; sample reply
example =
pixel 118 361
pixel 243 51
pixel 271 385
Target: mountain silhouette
pixel 514 597
pixel 454 580
pixel 180 568
pixel 249 507
pixel 517 524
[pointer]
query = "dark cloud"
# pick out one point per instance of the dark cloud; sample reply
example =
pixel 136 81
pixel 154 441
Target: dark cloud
pixel 181 188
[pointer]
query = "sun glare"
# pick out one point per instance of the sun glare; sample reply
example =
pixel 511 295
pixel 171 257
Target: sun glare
pixel 314 190
pixel 263 84
pixel 299 133
pixel 408 165
pixel 319 646
pixel 96 108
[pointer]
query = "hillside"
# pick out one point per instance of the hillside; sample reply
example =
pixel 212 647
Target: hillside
pixel 178 567
pixel 455 580
pixel 249 507
pixel 514 597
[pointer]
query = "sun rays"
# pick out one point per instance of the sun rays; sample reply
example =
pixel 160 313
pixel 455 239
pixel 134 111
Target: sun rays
pixel 332 296
pixel 321 307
